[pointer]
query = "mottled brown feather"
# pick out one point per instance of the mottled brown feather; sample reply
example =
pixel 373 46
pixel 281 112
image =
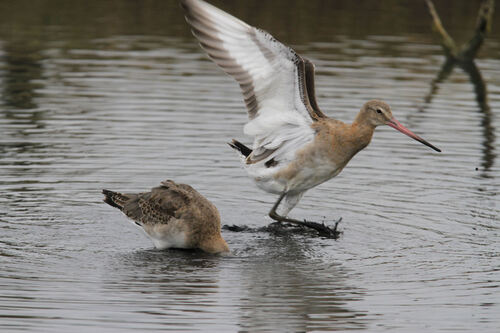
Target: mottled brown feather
pixel 179 204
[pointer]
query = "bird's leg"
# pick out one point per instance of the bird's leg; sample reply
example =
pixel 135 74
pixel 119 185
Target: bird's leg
pixel 272 212
pixel 321 228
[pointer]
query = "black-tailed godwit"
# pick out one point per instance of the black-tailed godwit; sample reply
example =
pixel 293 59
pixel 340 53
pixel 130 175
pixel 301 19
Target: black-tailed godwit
pixel 296 146
pixel 173 216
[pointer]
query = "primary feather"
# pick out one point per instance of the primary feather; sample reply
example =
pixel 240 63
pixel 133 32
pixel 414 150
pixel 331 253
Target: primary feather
pixel 277 84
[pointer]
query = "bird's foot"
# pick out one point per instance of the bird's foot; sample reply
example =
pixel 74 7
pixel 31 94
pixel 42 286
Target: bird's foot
pixel 322 229
pixel 236 228
pixel 283 223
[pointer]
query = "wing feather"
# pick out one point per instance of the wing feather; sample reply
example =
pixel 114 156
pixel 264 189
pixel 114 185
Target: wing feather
pixel 273 78
pixel 311 94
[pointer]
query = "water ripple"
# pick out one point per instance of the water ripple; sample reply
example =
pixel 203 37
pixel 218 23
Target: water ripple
pixel 125 112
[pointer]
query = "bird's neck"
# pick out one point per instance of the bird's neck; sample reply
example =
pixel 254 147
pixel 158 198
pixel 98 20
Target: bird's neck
pixel 362 132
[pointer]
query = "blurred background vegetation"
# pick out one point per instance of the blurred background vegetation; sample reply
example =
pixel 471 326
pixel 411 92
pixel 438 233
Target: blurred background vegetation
pixel 293 21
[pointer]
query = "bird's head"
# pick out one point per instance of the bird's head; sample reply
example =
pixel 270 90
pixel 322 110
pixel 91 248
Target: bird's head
pixel 377 113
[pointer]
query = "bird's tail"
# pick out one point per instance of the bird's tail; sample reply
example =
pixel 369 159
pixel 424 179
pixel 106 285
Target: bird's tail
pixel 236 145
pixel 114 199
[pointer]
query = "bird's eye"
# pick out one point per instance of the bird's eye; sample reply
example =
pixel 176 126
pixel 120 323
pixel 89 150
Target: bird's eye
pixel 379 111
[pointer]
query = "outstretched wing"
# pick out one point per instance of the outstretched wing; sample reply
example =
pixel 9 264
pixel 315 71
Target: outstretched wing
pixel 273 78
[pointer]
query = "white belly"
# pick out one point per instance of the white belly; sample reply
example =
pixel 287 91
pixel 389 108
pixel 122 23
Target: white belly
pixel 165 237
pixel 308 177
pixel 305 178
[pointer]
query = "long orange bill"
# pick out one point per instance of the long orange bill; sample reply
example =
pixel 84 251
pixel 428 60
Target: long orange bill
pixel 397 125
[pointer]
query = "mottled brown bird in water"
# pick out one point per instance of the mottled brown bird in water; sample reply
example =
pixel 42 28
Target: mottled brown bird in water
pixel 173 216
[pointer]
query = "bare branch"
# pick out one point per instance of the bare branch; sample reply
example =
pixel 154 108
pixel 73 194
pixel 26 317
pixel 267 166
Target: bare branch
pixel 447 42
pixel 483 26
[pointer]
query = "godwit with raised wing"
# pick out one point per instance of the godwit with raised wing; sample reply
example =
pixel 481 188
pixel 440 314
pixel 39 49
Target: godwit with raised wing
pixel 296 146
pixel 173 216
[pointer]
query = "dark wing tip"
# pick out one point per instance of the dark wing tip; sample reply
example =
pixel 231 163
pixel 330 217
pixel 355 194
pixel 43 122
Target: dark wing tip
pixel 310 90
pixel 109 198
pixel 244 150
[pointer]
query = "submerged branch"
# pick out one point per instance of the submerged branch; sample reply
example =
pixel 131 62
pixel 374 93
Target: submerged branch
pixel 464 58
pixel 489 138
pixel 443 74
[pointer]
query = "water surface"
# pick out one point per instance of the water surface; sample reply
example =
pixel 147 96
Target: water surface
pixel 118 95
